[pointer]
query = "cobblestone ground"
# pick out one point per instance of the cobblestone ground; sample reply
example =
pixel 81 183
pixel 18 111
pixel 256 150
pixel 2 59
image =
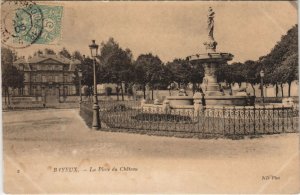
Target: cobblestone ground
pixel 39 144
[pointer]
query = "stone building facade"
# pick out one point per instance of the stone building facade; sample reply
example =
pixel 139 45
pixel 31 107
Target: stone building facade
pixel 48 76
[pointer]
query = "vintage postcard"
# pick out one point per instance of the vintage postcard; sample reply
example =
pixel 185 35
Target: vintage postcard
pixel 150 97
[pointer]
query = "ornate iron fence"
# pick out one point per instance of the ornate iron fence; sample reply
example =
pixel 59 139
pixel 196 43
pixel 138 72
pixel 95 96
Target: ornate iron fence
pixel 224 121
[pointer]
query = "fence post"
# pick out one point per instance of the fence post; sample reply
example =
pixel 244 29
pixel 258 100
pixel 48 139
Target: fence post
pixel 292 116
pixel 254 122
pixel 288 116
pixel 224 126
pixel 213 120
pixel 197 105
pixel 264 119
pixel 233 120
pixel 282 108
pixel 203 119
pixel 239 116
pixel 166 107
pixel 273 119
pixel 244 121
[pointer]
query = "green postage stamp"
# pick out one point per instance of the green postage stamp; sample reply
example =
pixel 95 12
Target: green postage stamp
pixel 25 23
pixel 51 33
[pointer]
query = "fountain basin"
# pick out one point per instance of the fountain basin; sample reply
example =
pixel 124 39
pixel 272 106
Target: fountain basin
pixel 176 101
pixel 230 100
pixel 224 100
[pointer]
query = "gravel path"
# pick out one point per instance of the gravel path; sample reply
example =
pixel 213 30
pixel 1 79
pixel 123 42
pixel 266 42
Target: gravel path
pixel 36 143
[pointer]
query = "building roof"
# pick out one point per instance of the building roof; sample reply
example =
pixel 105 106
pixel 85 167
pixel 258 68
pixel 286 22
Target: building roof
pixel 40 58
pixel 59 58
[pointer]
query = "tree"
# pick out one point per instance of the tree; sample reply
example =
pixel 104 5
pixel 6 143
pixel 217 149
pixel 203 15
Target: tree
pixel 181 70
pixel 230 74
pixel 284 52
pixel 11 76
pixel 287 72
pixel 197 74
pixel 184 72
pixel 250 71
pixel 77 55
pixel 49 51
pixel 64 52
pixel 115 64
pixel 148 71
pixel 38 52
pixel 87 74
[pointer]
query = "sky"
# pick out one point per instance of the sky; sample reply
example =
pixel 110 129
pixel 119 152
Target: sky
pixel 171 30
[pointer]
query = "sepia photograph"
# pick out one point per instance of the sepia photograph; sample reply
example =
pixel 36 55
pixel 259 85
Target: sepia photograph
pixel 150 97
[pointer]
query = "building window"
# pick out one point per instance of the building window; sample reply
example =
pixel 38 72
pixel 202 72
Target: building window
pixel 51 78
pixel 66 90
pixel 56 79
pixel 34 90
pixel 44 79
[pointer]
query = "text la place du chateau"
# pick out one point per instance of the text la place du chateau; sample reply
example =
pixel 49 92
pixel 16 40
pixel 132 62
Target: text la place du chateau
pixel 94 169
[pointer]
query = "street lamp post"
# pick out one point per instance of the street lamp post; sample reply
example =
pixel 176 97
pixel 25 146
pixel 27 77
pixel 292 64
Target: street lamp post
pixel 262 74
pixel 96 116
pixel 80 77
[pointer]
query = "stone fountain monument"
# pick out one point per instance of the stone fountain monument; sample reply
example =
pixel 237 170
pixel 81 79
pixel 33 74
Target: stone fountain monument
pixel 211 61
pixel 213 95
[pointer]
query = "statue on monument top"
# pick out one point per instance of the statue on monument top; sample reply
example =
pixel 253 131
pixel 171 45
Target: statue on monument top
pixel 211 44
pixel 210 23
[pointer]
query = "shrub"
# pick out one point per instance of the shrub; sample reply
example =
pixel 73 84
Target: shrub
pixel 161 117
pixel 119 107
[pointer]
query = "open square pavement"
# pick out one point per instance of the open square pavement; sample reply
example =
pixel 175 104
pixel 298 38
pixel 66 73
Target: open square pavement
pixel 52 151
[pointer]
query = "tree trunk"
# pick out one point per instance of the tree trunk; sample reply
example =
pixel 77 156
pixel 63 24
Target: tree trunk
pixel 276 89
pixel 117 92
pixel 5 96
pixel 253 89
pixel 144 90
pixel 122 93
pixel 290 83
pixel 281 85
pixel 8 96
pixel 194 88
pixel 152 96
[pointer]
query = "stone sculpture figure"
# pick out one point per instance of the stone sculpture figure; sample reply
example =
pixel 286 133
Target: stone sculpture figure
pixel 211 44
pixel 210 23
